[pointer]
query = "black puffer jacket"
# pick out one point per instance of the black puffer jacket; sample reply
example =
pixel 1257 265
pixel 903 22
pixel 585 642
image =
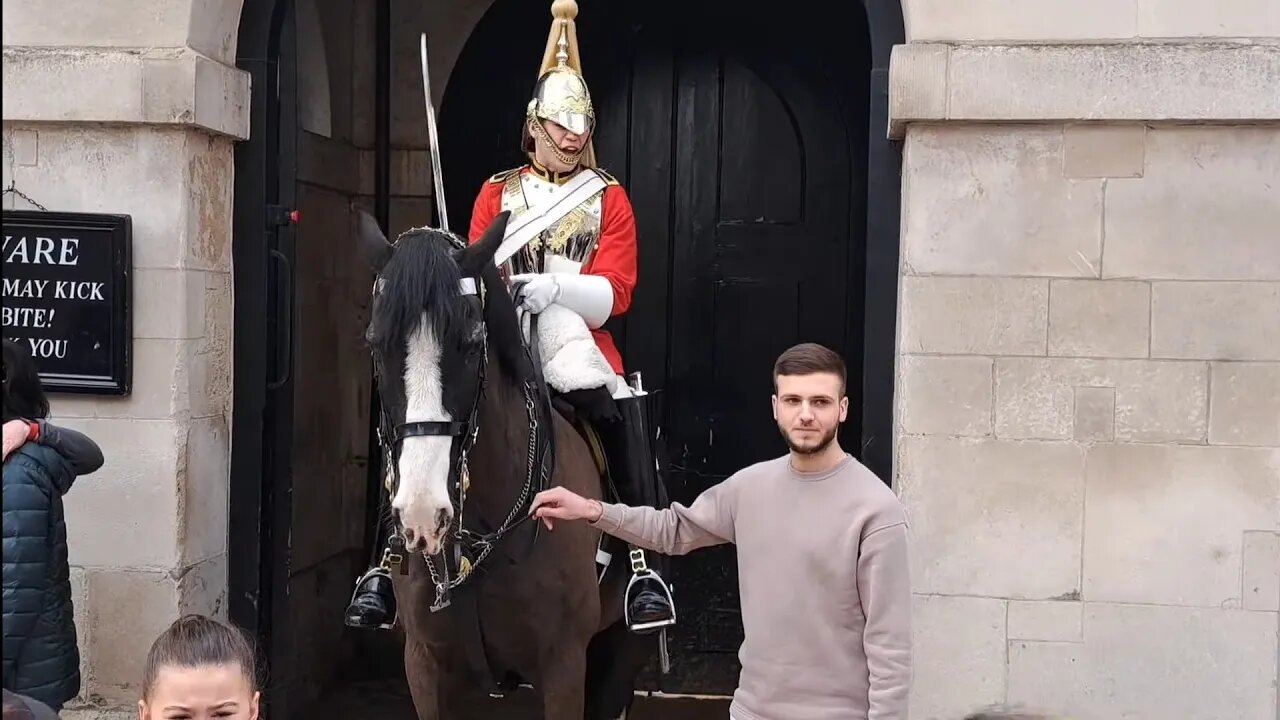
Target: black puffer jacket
pixel 40 655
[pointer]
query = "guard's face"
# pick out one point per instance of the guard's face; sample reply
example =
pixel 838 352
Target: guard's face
pixel 569 142
pixel 809 410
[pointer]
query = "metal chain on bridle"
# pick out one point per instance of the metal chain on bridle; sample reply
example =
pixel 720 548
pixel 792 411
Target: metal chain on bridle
pixel 467 544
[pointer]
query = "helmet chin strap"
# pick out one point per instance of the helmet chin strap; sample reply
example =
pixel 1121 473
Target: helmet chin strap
pixel 540 133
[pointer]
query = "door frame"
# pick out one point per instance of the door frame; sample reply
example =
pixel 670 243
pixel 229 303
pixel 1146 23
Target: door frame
pixel 261 483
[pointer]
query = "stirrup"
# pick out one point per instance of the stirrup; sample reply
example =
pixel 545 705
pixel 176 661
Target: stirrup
pixel 383 570
pixel 640 572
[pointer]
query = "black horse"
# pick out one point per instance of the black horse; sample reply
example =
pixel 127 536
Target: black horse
pixel 468 432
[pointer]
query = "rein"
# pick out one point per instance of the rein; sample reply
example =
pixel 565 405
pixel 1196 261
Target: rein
pixel 470 548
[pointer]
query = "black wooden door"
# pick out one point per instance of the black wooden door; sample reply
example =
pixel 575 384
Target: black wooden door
pixel 740 170
pixel 740 136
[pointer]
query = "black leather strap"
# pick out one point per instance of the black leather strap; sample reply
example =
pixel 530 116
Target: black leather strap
pixel 434 427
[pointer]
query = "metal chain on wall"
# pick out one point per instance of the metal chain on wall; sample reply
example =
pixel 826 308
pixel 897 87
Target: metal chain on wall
pixel 13 172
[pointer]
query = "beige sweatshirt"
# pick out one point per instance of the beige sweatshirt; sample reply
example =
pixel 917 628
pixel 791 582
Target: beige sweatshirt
pixel 823 577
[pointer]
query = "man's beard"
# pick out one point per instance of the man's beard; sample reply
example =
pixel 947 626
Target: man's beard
pixel 825 442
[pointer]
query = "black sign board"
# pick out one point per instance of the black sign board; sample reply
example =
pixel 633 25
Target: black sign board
pixel 68 297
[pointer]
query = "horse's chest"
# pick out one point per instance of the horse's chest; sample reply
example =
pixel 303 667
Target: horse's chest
pixel 568 242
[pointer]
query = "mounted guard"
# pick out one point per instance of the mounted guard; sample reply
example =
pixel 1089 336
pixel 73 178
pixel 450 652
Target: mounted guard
pixel 570 250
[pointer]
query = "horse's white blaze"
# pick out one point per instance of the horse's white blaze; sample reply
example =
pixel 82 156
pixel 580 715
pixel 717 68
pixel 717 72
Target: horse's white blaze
pixel 424 460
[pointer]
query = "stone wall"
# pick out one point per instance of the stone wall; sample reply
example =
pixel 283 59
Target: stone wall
pixel 1088 432
pixel 143 122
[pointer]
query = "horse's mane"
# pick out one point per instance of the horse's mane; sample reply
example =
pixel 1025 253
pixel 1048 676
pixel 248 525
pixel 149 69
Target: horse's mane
pixel 421 276
pixel 505 335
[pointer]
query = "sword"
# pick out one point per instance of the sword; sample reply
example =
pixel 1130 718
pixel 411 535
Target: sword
pixel 437 177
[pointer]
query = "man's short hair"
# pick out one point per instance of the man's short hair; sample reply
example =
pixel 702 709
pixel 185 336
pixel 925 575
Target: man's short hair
pixel 809 359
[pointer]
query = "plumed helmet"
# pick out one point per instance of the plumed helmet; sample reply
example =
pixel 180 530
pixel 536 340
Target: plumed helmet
pixel 560 93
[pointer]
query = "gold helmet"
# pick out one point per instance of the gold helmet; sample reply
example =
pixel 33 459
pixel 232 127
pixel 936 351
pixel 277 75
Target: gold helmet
pixel 561 93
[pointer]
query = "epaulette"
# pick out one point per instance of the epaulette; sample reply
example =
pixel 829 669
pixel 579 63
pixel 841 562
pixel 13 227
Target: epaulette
pixel 501 177
pixel 608 179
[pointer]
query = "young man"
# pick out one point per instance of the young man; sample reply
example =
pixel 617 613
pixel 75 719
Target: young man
pixel 822 559
pixel 583 261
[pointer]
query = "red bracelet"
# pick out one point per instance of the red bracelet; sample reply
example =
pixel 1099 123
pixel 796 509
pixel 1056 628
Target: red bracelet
pixel 33 431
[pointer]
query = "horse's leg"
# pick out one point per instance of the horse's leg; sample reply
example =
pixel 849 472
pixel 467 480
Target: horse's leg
pixel 617 656
pixel 564 679
pixel 422 669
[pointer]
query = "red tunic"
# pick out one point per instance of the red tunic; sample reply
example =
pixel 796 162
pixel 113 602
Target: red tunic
pixel 614 258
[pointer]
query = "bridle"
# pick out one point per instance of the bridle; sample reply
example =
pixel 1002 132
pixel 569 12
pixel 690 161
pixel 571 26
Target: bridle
pixel 470 548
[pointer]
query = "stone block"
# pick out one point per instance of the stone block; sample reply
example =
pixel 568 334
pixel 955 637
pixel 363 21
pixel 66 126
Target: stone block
pixel 1048 621
pixel 204 490
pixel 202 588
pixel 946 395
pixel 208 202
pixel 168 304
pixel 80 616
pixel 115 170
pixel 1113 81
pixel 974 316
pixel 1095 414
pixel 1099 318
pixel 1206 209
pixel 22 147
pixel 982 200
pixel 1156 515
pixel 214 28
pixel 153 85
pixel 1261 560
pixel 1244 404
pixel 126 513
pixel 161 388
pixel 1218 19
pixel 99 23
pixel 972 500
pixel 212 363
pixel 129 609
pixel 1103 151
pixel 1153 662
pixel 1215 320
pixel 996 21
pixel 1154 401
pixel 959 647
pixel 918 77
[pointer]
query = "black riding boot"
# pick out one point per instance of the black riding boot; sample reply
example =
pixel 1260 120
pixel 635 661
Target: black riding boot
pixel 373 604
pixel 629 447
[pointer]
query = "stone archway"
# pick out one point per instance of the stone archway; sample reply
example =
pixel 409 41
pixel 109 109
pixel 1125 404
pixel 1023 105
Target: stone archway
pixel 260 561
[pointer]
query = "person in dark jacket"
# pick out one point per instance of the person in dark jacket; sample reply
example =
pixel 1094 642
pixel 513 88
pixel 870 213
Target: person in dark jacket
pixel 41 660
pixel 18 707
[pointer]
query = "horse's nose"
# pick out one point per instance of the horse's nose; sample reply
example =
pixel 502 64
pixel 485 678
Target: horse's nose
pixel 442 520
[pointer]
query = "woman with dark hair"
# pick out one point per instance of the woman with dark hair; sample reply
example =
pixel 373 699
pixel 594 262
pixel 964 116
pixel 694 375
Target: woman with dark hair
pixel 41 461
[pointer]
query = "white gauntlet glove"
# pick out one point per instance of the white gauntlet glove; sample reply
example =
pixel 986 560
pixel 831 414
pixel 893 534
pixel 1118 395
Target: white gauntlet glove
pixel 540 290
pixel 590 296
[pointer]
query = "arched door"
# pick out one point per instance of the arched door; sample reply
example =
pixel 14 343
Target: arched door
pixel 741 140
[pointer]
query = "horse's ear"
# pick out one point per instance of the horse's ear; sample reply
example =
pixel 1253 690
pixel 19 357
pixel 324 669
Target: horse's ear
pixel 480 253
pixel 373 244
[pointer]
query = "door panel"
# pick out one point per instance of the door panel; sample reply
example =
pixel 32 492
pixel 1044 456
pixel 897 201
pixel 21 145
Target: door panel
pixel 741 176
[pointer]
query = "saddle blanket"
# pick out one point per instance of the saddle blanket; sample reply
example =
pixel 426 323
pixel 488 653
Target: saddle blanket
pixel 571 358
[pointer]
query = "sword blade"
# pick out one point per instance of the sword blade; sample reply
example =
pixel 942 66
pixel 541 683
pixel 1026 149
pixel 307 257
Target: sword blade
pixel 437 176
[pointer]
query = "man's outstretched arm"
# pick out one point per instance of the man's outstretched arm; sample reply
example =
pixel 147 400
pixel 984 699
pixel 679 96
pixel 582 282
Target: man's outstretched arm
pixel 673 531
